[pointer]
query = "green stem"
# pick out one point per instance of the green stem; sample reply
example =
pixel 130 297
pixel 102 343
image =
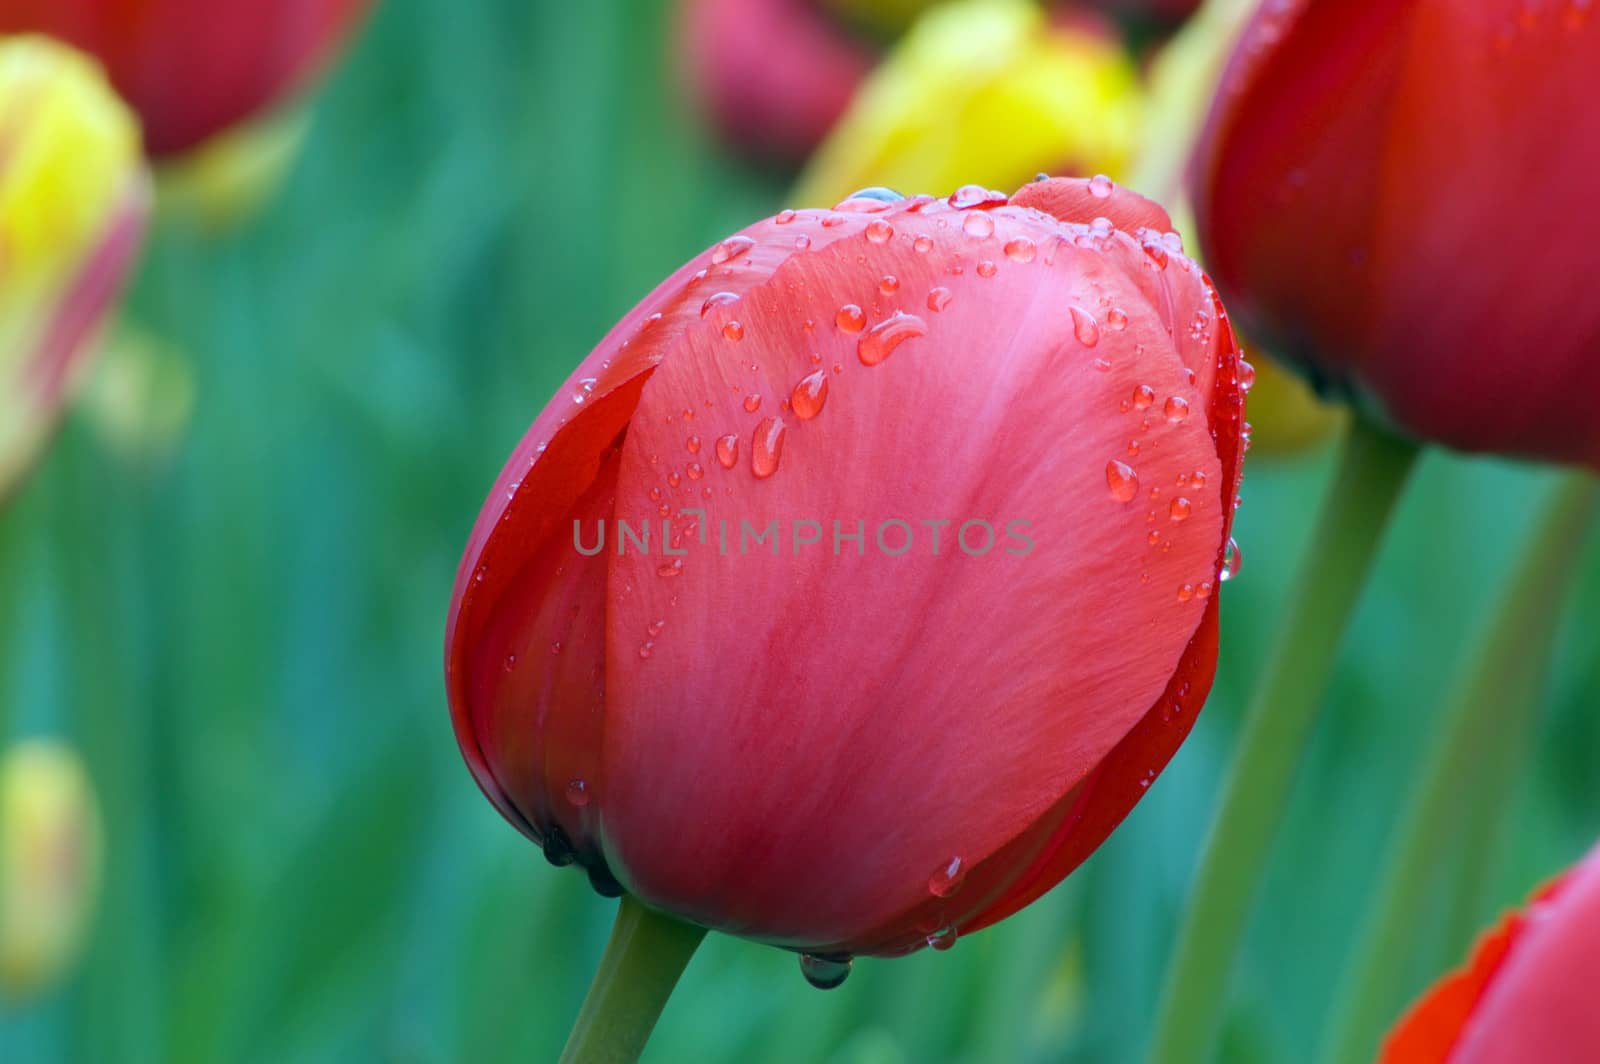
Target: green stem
pixel 1483 736
pixel 646 955
pixel 1371 471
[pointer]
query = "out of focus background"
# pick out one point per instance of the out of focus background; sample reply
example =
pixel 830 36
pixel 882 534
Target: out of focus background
pixel 239 626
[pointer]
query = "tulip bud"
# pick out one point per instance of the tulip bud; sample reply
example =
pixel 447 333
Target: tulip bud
pixel 193 68
pixel 1527 992
pixel 50 850
pixel 865 575
pixel 1399 196
pixel 772 76
pixel 73 197
pixel 986 92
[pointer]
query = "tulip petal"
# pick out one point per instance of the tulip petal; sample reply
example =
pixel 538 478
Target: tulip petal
pixel 856 667
pixel 523 589
pixel 1083 200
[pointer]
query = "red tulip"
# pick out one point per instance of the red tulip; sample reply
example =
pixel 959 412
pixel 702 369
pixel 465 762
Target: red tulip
pixel 771 75
pixel 192 68
pixel 862 744
pixel 1399 195
pixel 1526 994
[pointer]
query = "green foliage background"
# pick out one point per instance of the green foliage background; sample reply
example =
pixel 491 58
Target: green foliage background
pixel 246 642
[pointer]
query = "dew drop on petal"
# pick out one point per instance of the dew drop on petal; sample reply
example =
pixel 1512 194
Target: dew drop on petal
pixel 1122 481
pixel 1231 558
pixel 752 403
pixel 577 793
pixel 1084 327
pixel 809 395
pixel 1247 376
pixel 879 231
pixel 766 448
pixel 824 973
pixel 1116 319
pixel 943 938
pixel 947 878
pixel 695 471
pixel 727 450
pixel 733 331
pixel 731 249
pixel 850 318
pixel 784 217
pixel 938 298
pixel 1143 396
pixel 922 245
pixel 1176 408
pixel 889 284
pixel 879 342
pixel 1179 509
pixel 719 299
pixel 1101 186
pixel 1021 249
pixel 692 444
pixel 978 225
pixel 986 268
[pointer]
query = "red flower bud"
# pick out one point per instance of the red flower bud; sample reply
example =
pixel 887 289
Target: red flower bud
pixel 1400 197
pixel 192 68
pixel 1527 993
pixel 794 714
pixel 772 75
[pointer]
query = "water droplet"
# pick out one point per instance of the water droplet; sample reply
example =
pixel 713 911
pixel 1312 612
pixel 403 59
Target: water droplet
pixel 1231 559
pixel 1203 589
pixel 1153 538
pixel 731 249
pixel 511 662
pixel 968 196
pixel 943 938
pixel 719 299
pixel 1179 509
pixel 889 285
pixel 585 387
pixel 824 973
pixel 802 241
pixel 1101 186
pixel 1247 376
pixel 809 395
pixel 978 225
pixel 578 793
pixel 727 450
pixel 766 447
pixel 695 470
pixel 1176 408
pixel 752 403
pixel 938 298
pixel 1102 365
pixel 1084 327
pixel 1143 396
pixel 1021 249
pixel 986 268
pixel 555 649
pixel 673 480
pixel 850 318
pixel 646 649
pixel 947 878
pixel 1116 319
pixel 1186 592
pixel 733 331
pixel 692 444
pixel 877 192
pixel 1122 480
pixel 672 568
pixel 879 342
pixel 879 231
pixel 922 245
pixel 784 217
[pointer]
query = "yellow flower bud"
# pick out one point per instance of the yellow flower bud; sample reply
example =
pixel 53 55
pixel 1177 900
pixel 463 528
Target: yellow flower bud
pixel 983 92
pixel 50 852
pixel 73 196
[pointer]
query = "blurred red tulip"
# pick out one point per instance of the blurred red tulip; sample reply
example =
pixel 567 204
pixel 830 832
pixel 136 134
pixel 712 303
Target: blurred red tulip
pixel 1400 196
pixel 771 75
pixel 1526 994
pixel 192 68
pixel 850 737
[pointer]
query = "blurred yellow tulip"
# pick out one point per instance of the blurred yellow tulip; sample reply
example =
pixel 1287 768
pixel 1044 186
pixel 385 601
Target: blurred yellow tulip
pixel 986 92
pixel 73 197
pixel 50 853
pixel 1284 412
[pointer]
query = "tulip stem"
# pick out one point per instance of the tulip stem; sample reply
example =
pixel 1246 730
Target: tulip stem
pixel 1371 471
pixel 645 956
pixel 1480 739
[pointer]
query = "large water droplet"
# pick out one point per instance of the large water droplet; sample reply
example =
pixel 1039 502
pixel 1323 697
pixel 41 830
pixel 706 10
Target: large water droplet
pixel 752 403
pixel 727 450
pixel 880 341
pixel 766 447
pixel 850 318
pixel 733 331
pixel 1101 186
pixel 938 298
pixel 1143 396
pixel 1247 376
pixel 731 249
pixel 947 878
pixel 824 973
pixel 968 196
pixel 1084 327
pixel 1121 480
pixel 1231 560
pixel 1021 249
pixel 1176 408
pixel 978 225
pixel 942 939
pixel 1179 509
pixel 809 395
pixel 922 245
pixel 719 299
pixel 879 231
